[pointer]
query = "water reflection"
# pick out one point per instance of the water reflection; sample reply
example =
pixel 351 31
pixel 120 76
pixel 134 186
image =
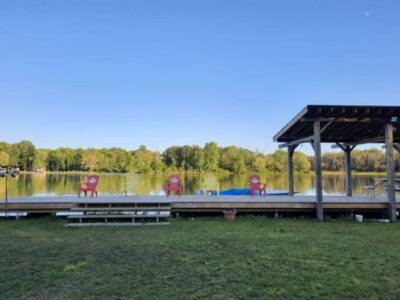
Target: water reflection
pixel 151 184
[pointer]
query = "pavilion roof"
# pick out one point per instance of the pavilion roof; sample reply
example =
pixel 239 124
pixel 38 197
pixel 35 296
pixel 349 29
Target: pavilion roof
pixel 349 124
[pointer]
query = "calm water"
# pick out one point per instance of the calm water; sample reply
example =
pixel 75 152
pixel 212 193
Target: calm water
pixel 61 184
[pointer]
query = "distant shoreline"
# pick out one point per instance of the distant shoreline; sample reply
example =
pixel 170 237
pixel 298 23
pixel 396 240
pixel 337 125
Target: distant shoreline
pixel 199 172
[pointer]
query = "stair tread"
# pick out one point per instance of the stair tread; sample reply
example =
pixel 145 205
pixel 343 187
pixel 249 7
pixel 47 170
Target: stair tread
pixel 102 216
pixel 127 208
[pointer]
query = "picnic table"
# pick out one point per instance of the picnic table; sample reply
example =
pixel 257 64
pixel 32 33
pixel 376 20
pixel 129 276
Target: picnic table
pixel 382 181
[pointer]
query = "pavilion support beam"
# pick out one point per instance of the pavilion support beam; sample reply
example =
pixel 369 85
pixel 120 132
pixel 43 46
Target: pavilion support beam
pixel 304 140
pixel 347 166
pixel 291 150
pixel 318 170
pixel 297 142
pixel 390 171
pixel 360 142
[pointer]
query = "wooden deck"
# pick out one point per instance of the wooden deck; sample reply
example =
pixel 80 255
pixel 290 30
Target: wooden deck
pixel 202 204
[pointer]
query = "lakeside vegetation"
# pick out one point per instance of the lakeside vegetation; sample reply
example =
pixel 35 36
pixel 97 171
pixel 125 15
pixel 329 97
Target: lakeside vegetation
pixel 254 257
pixel 210 158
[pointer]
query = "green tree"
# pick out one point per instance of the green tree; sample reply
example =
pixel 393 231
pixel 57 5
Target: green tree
pixel 185 156
pixel 23 153
pixel 301 162
pixel 196 160
pixel 89 160
pixel 232 159
pixel 119 159
pixel 279 161
pixel 332 161
pixel 40 160
pixel 14 153
pixel 157 163
pixel 143 160
pixel 5 147
pixel 4 158
pixel 172 157
pixel 211 157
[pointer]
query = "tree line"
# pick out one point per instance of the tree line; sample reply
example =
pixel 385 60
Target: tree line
pixel 210 158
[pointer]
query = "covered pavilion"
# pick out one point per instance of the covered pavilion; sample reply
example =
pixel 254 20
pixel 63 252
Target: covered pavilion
pixel 346 126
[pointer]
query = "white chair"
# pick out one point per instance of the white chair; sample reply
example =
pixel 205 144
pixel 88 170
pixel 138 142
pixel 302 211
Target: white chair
pixel 132 184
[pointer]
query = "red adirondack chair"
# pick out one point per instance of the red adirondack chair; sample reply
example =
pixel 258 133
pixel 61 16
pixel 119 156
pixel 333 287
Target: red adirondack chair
pixel 173 184
pixel 89 186
pixel 256 185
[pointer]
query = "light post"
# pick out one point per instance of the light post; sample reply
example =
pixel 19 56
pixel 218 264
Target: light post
pixel 6 171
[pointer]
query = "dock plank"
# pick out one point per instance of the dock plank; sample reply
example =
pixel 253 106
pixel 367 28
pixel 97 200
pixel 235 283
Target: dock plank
pixel 114 224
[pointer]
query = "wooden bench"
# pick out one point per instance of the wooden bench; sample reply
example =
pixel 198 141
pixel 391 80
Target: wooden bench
pixel 370 189
pixel 120 213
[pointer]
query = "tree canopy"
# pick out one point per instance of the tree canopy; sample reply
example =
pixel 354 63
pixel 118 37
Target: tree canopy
pixel 210 158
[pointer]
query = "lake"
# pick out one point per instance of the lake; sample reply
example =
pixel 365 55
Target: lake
pixel 151 184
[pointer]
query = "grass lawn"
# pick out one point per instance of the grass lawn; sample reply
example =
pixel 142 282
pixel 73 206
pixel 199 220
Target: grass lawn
pixel 254 257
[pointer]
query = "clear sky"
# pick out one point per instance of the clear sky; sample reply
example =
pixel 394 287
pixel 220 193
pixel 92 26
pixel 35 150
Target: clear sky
pixel 160 73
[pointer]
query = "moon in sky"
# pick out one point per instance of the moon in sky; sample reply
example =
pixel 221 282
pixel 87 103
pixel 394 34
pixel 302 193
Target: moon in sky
pixel 367 13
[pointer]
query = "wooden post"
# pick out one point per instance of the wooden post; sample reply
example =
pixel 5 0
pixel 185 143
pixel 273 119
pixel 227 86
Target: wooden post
pixel 318 169
pixel 390 171
pixel 290 169
pixel 347 166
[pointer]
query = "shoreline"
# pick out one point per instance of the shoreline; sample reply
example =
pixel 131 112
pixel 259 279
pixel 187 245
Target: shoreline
pixel 192 173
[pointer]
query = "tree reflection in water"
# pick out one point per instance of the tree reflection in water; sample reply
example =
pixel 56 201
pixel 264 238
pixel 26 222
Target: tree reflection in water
pixel 151 184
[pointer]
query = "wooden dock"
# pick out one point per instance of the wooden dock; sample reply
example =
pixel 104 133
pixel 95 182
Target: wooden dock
pixel 204 204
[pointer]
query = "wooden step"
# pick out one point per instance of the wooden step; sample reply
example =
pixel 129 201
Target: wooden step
pixel 119 216
pixel 114 224
pixel 127 208
pixel 155 204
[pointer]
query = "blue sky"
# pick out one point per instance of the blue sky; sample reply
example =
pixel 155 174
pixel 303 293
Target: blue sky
pixel 161 73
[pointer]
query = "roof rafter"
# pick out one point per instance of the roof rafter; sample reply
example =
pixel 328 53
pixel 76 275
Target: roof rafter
pixel 304 140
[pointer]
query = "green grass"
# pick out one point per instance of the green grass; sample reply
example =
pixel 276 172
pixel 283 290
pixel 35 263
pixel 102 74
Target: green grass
pixel 254 257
